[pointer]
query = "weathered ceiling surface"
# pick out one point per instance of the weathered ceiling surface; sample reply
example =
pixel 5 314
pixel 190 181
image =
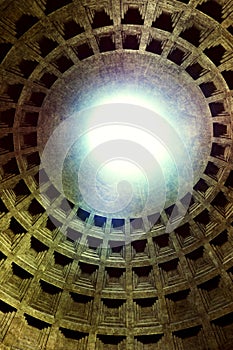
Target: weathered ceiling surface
pixel 73 278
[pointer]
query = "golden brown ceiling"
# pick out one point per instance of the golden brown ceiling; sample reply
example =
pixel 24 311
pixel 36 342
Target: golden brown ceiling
pixel 71 279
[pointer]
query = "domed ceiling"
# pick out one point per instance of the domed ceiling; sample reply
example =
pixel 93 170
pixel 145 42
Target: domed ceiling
pixel 116 207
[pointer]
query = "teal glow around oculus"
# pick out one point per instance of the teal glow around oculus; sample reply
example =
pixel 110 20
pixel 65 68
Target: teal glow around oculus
pixel 121 159
pixel 114 131
pixel 137 96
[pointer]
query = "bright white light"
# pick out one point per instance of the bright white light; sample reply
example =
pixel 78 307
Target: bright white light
pixel 130 169
pixel 126 158
pixel 108 133
pixel 137 98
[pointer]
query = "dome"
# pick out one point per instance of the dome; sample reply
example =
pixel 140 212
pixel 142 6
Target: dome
pixel 116 208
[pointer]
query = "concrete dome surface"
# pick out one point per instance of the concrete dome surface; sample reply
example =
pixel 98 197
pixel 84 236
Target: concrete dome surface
pixel 116 174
